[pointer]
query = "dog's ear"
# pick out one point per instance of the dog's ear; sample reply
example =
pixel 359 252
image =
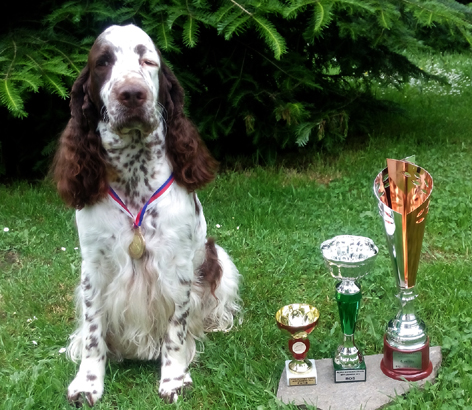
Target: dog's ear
pixel 192 164
pixel 79 167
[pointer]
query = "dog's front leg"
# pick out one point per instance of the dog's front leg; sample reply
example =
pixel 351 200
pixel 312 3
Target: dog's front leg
pixel 88 383
pixel 177 349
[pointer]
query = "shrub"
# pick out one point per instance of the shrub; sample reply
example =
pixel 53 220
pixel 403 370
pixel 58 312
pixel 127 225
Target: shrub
pixel 260 76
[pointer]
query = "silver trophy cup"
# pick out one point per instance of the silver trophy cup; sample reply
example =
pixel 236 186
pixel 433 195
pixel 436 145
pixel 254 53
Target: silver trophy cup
pixel 348 259
pixel 403 190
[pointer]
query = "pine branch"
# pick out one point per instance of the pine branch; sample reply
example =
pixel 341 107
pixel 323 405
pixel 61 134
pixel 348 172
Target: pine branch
pixel 165 38
pixel 64 55
pixel 273 39
pixel 229 19
pixel 297 7
pixel 222 13
pixel 263 26
pixel 440 13
pixel 190 33
pixel 10 98
pixel 174 14
pixel 52 81
pixel 320 19
pixel 236 27
pixel 366 5
pixel 32 81
pixel 241 7
pixel 303 132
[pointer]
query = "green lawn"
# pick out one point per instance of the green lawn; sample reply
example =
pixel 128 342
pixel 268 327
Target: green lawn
pixel 272 221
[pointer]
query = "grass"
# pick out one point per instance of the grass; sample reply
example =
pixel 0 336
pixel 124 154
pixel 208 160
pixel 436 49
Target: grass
pixel 272 221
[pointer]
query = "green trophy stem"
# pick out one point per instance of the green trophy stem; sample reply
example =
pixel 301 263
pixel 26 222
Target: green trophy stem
pixel 348 296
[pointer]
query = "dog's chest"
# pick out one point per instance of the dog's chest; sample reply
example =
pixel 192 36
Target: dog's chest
pixel 170 227
pixel 138 165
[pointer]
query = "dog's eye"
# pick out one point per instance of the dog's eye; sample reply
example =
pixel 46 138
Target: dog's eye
pixel 103 62
pixel 149 63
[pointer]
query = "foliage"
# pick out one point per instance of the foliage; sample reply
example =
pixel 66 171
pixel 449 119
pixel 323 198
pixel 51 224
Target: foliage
pixel 271 221
pixel 30 62
pixel 259 75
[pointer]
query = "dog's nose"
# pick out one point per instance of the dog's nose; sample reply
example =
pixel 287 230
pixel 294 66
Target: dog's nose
pixel 132 95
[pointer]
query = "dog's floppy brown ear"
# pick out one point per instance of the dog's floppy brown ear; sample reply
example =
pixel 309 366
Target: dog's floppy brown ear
pixel 192 164
pixel 79 167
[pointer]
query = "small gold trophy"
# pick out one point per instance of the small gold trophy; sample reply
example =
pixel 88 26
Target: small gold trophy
pixel 299 320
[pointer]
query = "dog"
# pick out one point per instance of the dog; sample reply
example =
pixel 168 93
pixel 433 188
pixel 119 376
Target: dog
pixel 130 161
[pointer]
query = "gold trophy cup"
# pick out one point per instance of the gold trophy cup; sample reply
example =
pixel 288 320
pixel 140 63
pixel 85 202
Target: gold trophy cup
pixel 299 320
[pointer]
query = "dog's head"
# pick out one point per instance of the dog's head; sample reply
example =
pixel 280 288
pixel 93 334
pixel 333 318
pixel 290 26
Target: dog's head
pixel 123 80
pixel 126 85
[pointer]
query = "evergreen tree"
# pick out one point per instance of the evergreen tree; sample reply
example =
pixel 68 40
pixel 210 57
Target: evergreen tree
pixel 260 75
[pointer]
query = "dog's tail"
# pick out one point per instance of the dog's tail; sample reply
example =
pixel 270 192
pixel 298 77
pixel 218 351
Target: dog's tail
pixel 221 301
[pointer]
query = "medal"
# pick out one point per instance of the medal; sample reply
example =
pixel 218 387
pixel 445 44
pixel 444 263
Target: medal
pixel 138 244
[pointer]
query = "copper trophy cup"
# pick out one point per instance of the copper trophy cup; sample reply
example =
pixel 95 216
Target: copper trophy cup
pixel 403 190
pixel 299 320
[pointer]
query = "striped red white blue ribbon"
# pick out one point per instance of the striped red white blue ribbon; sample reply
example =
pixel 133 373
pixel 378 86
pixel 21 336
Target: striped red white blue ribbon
pixel 155 196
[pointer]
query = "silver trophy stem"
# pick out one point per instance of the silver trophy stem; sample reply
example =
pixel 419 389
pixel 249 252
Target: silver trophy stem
pixel 347 355
pixel 406 331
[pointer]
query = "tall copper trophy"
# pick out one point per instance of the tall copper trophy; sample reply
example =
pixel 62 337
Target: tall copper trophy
pixel 403 190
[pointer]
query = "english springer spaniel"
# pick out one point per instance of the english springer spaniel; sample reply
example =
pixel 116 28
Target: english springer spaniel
pixel 130 161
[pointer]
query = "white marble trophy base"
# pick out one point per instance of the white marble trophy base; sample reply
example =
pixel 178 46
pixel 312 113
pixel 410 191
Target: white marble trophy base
pixel 304 379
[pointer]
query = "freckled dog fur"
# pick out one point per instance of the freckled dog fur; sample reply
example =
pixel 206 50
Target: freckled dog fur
pixel 128 131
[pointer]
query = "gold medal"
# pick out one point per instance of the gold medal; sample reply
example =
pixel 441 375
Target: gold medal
pixel 137 245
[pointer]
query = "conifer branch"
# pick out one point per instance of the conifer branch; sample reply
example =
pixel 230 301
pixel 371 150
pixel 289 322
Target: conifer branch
pixel 241 7
pixel 12 60
pixel 8 96
pixel 280 90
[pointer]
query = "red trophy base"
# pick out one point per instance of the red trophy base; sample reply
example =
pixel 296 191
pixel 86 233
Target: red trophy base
pixel 412 365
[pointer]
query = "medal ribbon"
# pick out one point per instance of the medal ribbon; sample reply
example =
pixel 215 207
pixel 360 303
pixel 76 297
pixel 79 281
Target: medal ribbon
pixel 155 196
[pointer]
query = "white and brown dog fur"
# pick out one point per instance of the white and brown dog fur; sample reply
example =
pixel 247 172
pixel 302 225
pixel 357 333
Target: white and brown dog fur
pixel 128 131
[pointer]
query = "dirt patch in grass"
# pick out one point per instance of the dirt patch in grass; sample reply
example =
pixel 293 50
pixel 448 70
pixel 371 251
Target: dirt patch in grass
pixel 9 259
pixel 321 177
pixel 435 254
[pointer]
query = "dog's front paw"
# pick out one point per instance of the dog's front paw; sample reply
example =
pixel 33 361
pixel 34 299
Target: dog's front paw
pixel 171 389
pixel 85 388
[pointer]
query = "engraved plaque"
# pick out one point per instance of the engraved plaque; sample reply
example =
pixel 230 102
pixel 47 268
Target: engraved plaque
pixel 302 381
pixel 407 360
pixel 342 376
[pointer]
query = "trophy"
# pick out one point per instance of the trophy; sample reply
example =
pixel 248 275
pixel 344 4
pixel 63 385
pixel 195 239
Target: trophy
pixel 349 258
pixel 403 190
pixel 299 320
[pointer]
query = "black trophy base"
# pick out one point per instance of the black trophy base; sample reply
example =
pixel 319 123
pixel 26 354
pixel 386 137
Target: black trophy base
pixel 359 374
